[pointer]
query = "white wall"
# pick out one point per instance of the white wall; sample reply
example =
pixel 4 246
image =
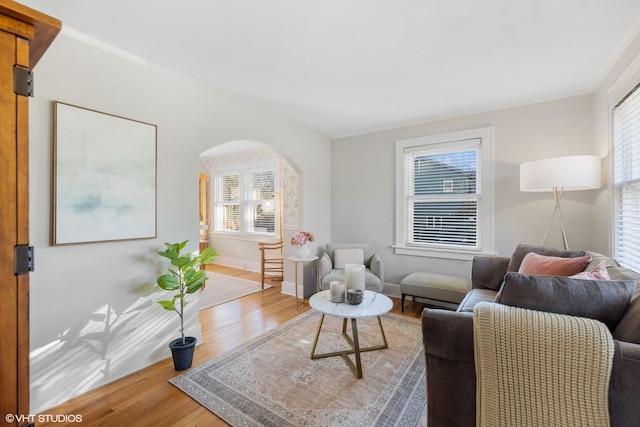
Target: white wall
pixel 363 196
pixel 93 316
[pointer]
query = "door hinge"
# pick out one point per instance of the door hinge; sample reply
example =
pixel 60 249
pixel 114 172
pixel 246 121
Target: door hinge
pixel 22 80
pixel 24 259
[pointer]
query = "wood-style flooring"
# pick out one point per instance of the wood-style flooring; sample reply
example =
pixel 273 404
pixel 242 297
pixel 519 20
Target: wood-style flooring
pixel 145 398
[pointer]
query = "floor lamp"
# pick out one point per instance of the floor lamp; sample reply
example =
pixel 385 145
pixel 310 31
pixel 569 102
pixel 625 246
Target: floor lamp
pixel 559 174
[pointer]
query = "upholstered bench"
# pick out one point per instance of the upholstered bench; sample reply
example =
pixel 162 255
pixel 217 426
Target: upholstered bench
pixel 439 287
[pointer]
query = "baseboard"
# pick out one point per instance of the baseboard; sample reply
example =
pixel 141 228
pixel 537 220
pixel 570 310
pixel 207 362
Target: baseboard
pixel 392 290
pixel 254 267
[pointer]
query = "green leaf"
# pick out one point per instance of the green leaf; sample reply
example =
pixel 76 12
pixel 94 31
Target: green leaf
pixel 189 274
pixel 167 254
pixel 208 255
pixel 167 305
pixel 168 282
pixel 181 262
pixel 196 283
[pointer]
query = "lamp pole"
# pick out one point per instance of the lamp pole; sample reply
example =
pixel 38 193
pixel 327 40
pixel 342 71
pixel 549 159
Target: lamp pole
pixel 557 193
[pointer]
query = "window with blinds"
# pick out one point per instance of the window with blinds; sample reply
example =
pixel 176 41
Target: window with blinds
pixel 227 213
pixel 261 187
pixel 444 194
pixel 238 201
pixel 442 197
pixel 626 181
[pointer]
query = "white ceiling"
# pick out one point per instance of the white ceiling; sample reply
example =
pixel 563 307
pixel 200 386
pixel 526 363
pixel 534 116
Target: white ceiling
pixel 345 67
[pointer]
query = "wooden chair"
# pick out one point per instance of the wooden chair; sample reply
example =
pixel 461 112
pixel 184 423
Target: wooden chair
pixel 271 261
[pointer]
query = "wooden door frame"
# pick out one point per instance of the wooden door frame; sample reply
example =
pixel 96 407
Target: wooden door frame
pixel 25 34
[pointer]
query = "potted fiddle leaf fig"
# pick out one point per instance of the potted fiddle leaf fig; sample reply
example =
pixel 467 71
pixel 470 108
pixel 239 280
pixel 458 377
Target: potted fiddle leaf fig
pixel 185 277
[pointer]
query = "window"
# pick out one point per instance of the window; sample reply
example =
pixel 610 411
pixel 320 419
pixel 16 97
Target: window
pixel 626 181
pixel 227 216
pixel 261 187
pixel 238 201
pixel 444 200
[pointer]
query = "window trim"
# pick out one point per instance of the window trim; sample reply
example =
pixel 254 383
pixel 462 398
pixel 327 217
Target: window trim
pixel 485 191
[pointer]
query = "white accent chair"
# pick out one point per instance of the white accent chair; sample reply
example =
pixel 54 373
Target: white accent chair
pixel 337 255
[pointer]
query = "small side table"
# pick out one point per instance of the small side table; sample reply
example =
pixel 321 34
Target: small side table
pixel 297 261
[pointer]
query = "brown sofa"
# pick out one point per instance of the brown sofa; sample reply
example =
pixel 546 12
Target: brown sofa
pixel 448 335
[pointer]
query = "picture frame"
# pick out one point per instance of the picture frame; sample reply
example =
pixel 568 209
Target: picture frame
pixel 104 177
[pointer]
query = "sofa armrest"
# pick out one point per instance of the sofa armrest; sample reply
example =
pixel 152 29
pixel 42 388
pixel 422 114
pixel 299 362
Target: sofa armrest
pixel 450 370
pixel 624 386
pixel 487 272
pixel 325 265
pixel 377 267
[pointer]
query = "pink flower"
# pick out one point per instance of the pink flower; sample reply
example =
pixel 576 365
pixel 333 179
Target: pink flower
pixel 301 238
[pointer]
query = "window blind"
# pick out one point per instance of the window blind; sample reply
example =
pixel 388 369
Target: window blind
pixel 442 196
pixel 261 187
pixel 227 216
pixel 626 181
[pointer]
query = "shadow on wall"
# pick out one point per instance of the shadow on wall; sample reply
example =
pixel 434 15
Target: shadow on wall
pixel 102 345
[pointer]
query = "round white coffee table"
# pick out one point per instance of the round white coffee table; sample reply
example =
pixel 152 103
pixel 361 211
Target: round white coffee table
pixel 373 304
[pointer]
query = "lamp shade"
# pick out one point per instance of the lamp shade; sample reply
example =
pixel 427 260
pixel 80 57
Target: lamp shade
pixel 568 173
pixel 268 205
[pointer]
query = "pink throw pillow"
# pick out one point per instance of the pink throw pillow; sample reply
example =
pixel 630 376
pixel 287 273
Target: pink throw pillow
pixel 598 273
pixel 542 265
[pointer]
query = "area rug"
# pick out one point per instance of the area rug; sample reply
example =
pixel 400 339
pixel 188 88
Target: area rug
pixel 220 289
pixel 272 381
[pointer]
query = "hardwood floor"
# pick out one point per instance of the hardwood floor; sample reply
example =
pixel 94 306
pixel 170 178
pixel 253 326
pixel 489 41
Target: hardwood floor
pixel 145 398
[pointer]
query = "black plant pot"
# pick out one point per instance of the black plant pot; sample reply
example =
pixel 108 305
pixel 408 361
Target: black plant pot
pixel 182 354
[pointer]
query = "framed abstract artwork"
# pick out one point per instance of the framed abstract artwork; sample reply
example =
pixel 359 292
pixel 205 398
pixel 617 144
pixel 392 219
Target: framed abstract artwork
pixel 104 177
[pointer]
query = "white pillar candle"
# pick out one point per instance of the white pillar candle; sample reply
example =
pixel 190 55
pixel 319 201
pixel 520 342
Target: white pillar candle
pixel 337 291
pixel 354 276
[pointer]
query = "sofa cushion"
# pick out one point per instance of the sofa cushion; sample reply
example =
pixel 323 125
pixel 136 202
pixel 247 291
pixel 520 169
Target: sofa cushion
pixel 522 250
pixel 367 248
pixel 371 281
pixel 597 273
pixel 536 264
pixel 342 257
pixel 475 296
pixel 603 300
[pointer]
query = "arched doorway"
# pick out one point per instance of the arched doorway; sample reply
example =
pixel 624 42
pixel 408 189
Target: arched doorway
pixel 244 163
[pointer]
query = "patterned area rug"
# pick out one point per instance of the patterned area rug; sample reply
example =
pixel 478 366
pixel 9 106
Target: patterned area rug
pixel 221 289
pixel 271 380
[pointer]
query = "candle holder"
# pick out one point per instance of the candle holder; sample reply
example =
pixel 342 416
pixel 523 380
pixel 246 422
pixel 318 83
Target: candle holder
pixel 337 291
pixel 354 276
pixel 354 296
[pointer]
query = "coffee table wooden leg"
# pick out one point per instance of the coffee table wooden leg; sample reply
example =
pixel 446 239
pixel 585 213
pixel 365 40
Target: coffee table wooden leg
pixel 353 342
pixel 315 342
pixel 384 337
pixel 356 347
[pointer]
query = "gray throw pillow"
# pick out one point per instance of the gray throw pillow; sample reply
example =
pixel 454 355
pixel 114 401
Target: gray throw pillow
pixel 603 300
